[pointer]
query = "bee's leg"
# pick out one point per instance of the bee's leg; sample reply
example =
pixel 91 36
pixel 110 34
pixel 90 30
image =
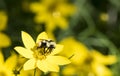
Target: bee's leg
pixel 44 51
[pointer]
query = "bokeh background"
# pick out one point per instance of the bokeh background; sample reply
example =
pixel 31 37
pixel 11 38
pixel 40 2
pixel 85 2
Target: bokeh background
pixel 89 30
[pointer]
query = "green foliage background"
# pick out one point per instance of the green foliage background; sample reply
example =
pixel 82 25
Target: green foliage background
pixel 85 25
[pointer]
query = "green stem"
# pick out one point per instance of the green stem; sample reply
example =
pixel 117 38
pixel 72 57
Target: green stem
pixel 15 74
pixel 34 71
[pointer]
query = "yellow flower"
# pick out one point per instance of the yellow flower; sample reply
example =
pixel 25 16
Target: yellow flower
pixel 6 67
pixel 53 13
pixel 84 61
pixel 41 54
pixel 102 59
pixel 4 39
pixel 94 65
pixel 75 48
pixel 99 62
pixel 104 17
pixel 100 70
pixel 70 70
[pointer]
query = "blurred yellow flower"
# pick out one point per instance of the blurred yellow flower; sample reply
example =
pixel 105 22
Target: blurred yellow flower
pixel 70 70
pixel 42 53
pixel 104 17
pixel 99 63
pixel 4 39
pixel 75 48
pixel 102 59
pixel 85 62
pixel 53 13
pixel 6 67
pixel 94 65
pixel 100 70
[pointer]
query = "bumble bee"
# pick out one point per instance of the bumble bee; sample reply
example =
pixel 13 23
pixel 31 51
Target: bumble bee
pixel 51 45
pixel 47 45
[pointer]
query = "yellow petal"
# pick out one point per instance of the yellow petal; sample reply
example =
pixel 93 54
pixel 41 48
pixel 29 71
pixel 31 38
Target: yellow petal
pixel 52 67
pixel 27 40
pixel 3 20
pixel 24 52
pixel 45 66
pixel 66 9
pixel 107 60
pixel 42 66
pixel 37 7
pixel 62 22
pixel 1 58
pixel 57 49
pixel 59 60
pixel 48 2
pixel 50 25
pixel 110 59
pixel 4 40
pixel 30 64
pixel 11 62
pixel 101 70
pixel 40 18
pixel 42 35
pixel 5 72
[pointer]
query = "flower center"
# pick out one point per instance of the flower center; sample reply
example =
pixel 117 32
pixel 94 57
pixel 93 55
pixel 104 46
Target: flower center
pixel 56 14
pixel 52 9
pixel 43 48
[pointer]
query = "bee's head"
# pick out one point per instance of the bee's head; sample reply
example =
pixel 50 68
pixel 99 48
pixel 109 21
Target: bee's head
pixel 42 44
